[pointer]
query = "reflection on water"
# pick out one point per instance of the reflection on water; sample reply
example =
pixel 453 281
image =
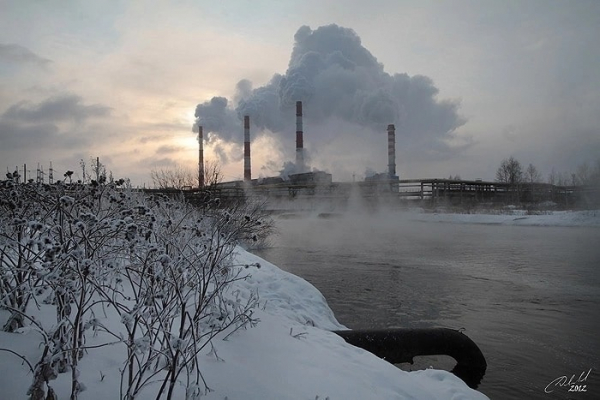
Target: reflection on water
pixel 528 296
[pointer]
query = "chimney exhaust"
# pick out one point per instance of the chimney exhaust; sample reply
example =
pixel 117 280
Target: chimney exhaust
pixel 247 167
pixel 299 139
pixel 391 151
pixel 200 158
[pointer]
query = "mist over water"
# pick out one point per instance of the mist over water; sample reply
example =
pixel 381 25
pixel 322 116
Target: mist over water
pixel 528 296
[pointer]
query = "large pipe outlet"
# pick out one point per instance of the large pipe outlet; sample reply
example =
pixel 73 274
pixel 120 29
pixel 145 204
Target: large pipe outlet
pixel 402 345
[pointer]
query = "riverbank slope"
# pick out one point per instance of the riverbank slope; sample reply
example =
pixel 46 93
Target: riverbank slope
pixel 289 354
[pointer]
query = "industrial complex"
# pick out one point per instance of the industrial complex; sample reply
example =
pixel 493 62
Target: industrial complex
pixel 383 188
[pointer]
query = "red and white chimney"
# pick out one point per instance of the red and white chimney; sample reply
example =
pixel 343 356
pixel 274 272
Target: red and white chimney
pixel 391 151
pixel 299 139
pixel 200 158
pixel 247 167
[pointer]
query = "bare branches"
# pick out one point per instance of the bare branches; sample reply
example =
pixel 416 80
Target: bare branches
pixel 160 266
pixel 532 175
pixel 212 173
pixel 176 177
pixel 179 177
pixel 510 171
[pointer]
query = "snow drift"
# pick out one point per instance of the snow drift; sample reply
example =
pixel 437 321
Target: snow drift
pixel 289 354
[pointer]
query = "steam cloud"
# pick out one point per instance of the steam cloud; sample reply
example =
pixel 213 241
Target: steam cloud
pixel 336 78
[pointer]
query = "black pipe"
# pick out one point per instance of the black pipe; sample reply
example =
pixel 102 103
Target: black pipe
pixel 402 345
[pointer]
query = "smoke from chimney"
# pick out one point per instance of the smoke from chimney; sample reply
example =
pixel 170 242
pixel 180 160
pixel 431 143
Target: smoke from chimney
pixel 247 168
pixel 342 83
pixel 200 158
pixel 391 150
pixel 299 139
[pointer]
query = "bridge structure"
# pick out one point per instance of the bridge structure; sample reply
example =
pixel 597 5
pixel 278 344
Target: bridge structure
pixel 325 194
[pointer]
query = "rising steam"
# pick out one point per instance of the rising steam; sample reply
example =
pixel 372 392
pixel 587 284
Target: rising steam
pixel 337 79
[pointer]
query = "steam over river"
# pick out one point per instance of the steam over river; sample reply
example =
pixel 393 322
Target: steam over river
pixel 528 296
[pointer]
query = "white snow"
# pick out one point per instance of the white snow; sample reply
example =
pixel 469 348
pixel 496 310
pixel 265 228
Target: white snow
pixel 290 354
pixel 586 218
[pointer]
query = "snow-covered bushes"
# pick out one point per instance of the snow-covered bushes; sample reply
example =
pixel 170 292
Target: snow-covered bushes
pixel 161 265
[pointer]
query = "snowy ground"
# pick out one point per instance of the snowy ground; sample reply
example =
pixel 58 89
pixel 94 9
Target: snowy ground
pixel 590 218
pixel 290 354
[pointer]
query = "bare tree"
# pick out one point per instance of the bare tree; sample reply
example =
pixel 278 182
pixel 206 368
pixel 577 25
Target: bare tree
pixel 98 172
pixel 176 177
pixel 98 169
pixel 179 177
pixel 558 178
pixel 583 174
pixel 532 175
pixel 510 171
pixel 212 173
pixel 552 177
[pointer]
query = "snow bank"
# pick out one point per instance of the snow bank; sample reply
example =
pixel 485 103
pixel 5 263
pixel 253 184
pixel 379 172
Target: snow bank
pixel 290 354
pixel 588 218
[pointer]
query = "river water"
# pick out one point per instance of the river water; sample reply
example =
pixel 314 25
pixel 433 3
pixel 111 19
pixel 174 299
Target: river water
pixel 528 296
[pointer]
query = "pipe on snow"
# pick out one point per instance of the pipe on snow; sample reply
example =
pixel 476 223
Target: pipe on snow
pixel 402 345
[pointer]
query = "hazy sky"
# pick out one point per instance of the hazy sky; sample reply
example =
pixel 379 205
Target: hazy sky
pixel 467 83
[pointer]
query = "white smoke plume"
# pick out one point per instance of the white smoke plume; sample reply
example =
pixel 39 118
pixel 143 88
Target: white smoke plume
pixel 337 79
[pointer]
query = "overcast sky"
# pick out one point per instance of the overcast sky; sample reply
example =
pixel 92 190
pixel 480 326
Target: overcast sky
pixel 467 83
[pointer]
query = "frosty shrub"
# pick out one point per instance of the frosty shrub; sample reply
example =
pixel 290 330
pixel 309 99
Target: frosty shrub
pixel 250 223
pixel 97 253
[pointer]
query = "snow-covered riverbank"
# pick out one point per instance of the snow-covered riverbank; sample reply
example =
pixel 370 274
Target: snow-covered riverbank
pixel 290 354
pixel 590 218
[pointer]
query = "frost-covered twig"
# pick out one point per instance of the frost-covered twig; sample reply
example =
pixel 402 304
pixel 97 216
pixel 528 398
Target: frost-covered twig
pixel 20 356
pixel 161 266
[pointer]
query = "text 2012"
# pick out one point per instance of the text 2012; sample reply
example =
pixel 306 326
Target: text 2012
pixel 578 388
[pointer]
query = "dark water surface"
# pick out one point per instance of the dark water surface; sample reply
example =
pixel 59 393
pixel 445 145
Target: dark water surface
pixel 528 296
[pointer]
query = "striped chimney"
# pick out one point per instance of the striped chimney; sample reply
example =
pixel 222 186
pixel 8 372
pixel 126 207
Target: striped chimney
pixel 200 158
pixel 391 150
pixel 247 168
pixel 299 139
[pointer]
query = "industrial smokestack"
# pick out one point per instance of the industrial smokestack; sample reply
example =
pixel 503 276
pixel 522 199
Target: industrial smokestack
pixel 391 151
pixel 247 167
pixel 200 158
pixel 299 139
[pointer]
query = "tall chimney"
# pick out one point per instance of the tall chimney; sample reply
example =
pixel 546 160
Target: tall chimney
pixel 391 150
pixel 247 168
pixel 299 139
pixel 200 158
